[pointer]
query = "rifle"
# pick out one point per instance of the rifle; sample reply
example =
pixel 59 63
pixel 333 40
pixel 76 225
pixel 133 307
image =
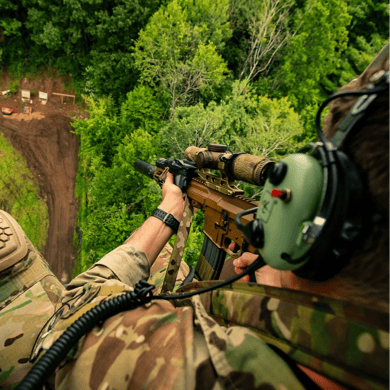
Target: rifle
pixel 217 196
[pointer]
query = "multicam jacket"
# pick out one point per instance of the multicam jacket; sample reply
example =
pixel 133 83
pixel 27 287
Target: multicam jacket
pixel 244 337
pixel 28 294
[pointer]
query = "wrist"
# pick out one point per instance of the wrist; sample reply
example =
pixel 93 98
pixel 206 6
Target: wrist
pixel 176 208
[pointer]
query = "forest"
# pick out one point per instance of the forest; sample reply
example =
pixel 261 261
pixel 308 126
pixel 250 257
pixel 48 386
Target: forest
pixel 158 76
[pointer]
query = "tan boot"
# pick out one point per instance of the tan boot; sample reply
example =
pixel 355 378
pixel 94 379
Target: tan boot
pixel 13 245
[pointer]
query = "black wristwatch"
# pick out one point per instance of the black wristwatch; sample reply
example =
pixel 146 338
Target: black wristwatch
pixel 168 219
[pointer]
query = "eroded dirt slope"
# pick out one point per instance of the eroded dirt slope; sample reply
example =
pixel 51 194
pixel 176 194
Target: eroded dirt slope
pixel 50 150
pixel 45 140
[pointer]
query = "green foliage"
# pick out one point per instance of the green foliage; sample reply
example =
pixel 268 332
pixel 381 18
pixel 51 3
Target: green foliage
pixel 260 32
pixel 163 75
pixel 142 110
pixel 369 18
pixel 20 195
pixel 315 50
pixel 109 73
pixel 244 121
pixel 195 239
pixel 101 132
pixel 118 199
pixel 178 51
pixel 210 18
pixel 14 86
pixel 114 198
pixel 368 33
pixel 71 35
pixel 358 57
pixel 10 26
pixel 271 130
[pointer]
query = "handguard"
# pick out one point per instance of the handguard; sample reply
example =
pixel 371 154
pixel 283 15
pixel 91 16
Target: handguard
pixel 13 245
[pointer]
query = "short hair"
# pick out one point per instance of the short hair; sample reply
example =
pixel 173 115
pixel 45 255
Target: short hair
pixel 366 276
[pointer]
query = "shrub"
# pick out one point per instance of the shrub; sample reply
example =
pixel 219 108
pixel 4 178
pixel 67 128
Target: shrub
pixel 14 86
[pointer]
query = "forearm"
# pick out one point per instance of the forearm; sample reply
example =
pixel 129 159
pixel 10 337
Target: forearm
pixel 154 233
pixel 131 262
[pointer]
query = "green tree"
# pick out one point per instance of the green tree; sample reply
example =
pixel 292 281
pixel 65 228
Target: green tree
pixel 114 198
pixel 243 121
pixel 177 52
pixel 142 110
pixel 119 198
pixel 101 133
pixel 315 50
pixel 91 39
pixel 13 39
pixel 260 31
pixel 367 34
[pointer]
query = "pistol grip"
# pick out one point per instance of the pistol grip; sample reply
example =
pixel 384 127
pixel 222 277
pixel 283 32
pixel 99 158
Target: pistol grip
pixel 210 261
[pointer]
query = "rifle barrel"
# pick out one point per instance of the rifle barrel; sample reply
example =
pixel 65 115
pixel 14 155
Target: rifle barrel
pixel 145 168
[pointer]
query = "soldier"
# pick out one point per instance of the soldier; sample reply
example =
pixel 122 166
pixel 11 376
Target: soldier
pixel 245 336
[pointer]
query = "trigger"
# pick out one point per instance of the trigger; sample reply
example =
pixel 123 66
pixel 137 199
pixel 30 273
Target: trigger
pixel 236 253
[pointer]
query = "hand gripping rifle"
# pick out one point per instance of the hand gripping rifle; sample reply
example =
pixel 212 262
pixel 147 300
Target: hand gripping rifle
pixel 217 196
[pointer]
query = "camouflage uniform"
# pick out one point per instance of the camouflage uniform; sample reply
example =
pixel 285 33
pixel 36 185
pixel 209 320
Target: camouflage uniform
pixel 28 294
pixel 199 345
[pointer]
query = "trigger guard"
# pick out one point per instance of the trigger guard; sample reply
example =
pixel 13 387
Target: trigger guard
pixel 234 255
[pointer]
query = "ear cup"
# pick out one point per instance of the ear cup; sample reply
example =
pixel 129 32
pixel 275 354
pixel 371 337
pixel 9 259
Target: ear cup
pixel 332 249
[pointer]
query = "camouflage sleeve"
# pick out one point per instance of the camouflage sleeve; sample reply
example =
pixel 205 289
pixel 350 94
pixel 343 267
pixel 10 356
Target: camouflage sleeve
pixel 126 264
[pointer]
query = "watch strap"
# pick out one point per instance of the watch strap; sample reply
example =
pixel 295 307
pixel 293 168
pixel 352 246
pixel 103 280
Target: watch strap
pixel 168 219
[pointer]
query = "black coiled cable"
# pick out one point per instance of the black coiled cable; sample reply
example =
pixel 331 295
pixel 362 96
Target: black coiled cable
pixel 56 354
pixel 142 294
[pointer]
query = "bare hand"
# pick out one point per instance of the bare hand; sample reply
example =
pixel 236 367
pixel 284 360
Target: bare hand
pixel 172 195
pixel 264 275
pixel 169 189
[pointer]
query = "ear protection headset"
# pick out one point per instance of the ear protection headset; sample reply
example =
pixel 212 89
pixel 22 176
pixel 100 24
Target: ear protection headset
pixel 311 210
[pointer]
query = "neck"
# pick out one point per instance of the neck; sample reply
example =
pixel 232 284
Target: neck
pixel 334 288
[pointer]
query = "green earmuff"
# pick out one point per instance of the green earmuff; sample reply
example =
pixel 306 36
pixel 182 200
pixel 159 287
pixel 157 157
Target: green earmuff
pixel 311 211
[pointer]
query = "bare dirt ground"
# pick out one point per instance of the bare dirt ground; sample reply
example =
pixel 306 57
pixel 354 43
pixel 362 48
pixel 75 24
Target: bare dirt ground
pixel 45 140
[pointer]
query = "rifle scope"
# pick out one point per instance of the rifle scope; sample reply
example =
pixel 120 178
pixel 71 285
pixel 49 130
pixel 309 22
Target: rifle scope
pixel 239 166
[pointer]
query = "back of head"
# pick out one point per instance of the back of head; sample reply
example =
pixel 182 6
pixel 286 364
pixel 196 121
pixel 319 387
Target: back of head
pixel 366 277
